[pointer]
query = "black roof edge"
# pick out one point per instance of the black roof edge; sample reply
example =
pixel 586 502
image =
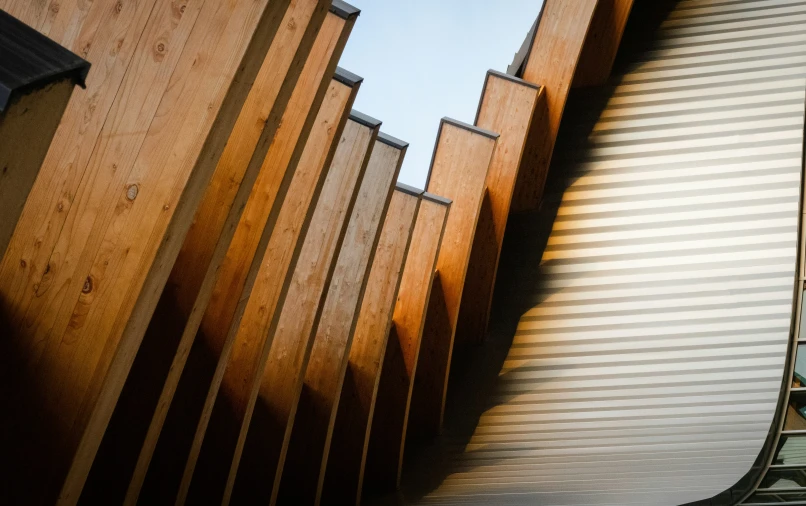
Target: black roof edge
pixel 471 128
pixel 408 189
pixel 343 9
pixel 367 121
pixel 392 141
pixel 437 199
pixel 514 79
pixel 346 77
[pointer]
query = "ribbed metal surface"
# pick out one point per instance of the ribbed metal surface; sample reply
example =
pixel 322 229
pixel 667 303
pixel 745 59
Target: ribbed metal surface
pixel 648 369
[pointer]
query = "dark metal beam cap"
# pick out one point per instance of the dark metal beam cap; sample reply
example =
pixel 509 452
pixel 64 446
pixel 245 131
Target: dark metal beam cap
pixel 367 121
pixel 343 9
pixel 347 78
pixel 392 141
pixel 408 189
pixel 437 199
pixel 471 128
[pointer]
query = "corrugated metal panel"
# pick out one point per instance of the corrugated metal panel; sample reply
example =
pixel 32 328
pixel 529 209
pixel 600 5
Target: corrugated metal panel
pixel 648 369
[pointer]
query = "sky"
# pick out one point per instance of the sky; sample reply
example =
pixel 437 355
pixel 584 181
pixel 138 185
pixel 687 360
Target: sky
pixel 422 60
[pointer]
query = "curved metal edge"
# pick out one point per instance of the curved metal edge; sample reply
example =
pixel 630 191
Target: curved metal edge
pixel 392 141
pixel 346 77
pixel 344 10
pixel 750 482
pixel 410 190
pixel 363 119
pixel 506 77
pixel 437 199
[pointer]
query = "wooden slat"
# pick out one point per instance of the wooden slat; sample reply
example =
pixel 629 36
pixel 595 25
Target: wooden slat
pixel 183 429
pixel 602 43
pixel 552 63
pixel 388 425
pixel 348 447
pixel 78 312
pixel 459 172
pixel 122 461
pixel 27 127
pixel 507 106
pixel 309 444
pixel 275 380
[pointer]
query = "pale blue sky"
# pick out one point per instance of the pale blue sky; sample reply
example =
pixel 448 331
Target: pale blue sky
pixel 425 59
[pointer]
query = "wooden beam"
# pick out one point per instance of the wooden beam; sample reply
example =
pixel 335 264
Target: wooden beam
pixel 37 78
pixel 459 172
pixel 389 419
pixel 508 106
pixel 125 453
pixel 602 43
pixel 79 311
pixel 551 63
pixel 309 443
pixel 348 447
pixel 177 446
pixel 275 378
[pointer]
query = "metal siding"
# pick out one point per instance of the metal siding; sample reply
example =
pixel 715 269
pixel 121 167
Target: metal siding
pixel 648 369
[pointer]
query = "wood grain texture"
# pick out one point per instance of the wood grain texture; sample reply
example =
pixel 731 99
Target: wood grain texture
pixel 27 127
pixel 602 43
pixel 276 379
pixel 348 447
pixel 507 107
pixel 552 64
pixel 128 445
pixel 78 321
pixel 177 447
pixel 309 444
pixel 216 445
pixel 459 172
pixel 390 417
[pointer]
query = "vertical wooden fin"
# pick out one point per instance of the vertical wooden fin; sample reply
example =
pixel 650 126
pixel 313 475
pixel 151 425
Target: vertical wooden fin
pixel 309 445
pixel 79 314
pixel 507 106
pixel 459 172
pixel 552 63
pixel 186 419
pixel 125 453
pixel 275 380
pixel 602 43
pixel 388 425
pixel 348 447
pixel 37 78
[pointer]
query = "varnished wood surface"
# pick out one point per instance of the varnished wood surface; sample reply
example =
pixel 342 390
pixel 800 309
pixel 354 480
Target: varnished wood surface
pixel 508 107
pixel 388 425
pixel 275 380
pixel 602 42
pixel 459 172
pixel 177 448
pixel 552 64
pixel 309 445
pixel 128 445
pixel 348 447
pixel 107 215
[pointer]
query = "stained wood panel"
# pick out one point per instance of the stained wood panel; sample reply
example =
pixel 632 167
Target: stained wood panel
pixel 356 405
pixel 309 444
pixel 129 441
pixel 552 63
pixel 79 304
pixel 389 419
pixel 275 380
pixel 507 106
pixel 177 446
pixel 602 42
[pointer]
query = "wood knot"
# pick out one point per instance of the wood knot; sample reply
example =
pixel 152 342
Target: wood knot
pixel 132 191
pixel 23 264
pixel 160 49
pixel 60 207
pixel 54 7
pixel 87 288
pixel 292 24
pixel 47 268
pixel 118 7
